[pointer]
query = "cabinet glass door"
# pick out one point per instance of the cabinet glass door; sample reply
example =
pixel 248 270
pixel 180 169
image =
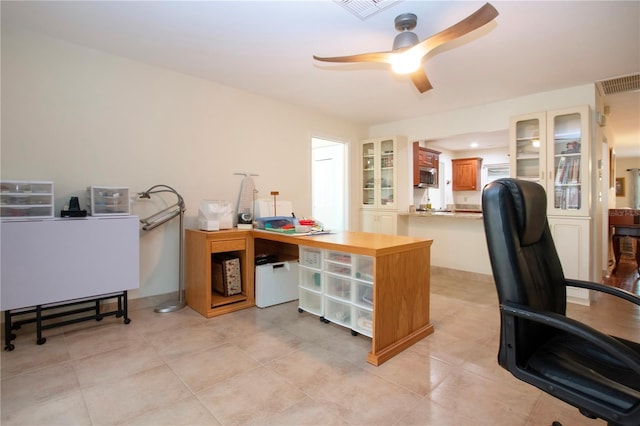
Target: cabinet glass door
pixel 368 174
pixel 568 176
pixel 529 144
pixel 387 164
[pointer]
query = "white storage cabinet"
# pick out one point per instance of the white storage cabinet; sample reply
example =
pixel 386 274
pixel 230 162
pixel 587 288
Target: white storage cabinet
pixel 384 183
pixel 555 149
pixel 25 200
pixel 339 286
pixel 276 283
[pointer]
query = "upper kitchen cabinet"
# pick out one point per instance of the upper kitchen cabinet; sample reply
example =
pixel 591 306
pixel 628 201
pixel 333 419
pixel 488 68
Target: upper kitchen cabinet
pixel 466 174
pixel 425 166
pixel 552 149
pixel 384 183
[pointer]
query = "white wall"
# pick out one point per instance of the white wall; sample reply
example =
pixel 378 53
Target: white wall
pixel 622 164
pixel 484 118
pixel 81 117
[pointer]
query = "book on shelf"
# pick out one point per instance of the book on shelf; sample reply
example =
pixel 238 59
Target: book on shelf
pixel 573 197
pixel 568 170
pixel 560 170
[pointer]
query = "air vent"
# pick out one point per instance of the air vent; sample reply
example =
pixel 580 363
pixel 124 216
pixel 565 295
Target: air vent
pixel 365 8
pixel 627 83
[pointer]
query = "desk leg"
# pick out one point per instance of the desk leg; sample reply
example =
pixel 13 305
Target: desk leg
pixel 638 253
pixel 40 340
pixel 8 335
pixel 616 253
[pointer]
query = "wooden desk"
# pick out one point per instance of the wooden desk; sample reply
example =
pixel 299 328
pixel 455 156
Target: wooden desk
pixel 624 223
pixel 401 277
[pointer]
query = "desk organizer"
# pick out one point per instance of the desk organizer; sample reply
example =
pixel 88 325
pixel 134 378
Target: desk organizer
pixel 108 200
pixel 24 200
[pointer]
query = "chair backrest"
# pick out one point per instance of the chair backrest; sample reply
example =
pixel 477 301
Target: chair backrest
pixel 524 260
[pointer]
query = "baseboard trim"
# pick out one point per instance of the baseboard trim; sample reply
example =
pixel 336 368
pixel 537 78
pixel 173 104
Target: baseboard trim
pixel 460 274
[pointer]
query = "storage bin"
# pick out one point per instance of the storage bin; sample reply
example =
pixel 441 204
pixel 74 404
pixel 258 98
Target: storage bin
pixel 364 268
pixel 310 278
pixel 225 274
pixel 108 200
pixel 337 311
pixel 362 321
pixel 25 200
pixel 276 283
pixel 337 286
pixel 310 301
pixel 339 257
pixel 363 294
pixel 338 268
pixel 310 257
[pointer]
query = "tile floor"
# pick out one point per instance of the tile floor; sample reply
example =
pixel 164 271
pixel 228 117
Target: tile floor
pixel 275 366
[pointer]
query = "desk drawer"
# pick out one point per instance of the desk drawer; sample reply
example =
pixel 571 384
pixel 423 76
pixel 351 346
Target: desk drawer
pixel 228 245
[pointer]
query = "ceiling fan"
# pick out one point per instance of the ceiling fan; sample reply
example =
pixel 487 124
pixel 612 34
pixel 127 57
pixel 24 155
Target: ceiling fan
pixel 408 52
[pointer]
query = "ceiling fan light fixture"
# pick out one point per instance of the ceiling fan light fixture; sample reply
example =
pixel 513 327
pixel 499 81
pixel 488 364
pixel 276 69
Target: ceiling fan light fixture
pixel 405 39
pixel 405 63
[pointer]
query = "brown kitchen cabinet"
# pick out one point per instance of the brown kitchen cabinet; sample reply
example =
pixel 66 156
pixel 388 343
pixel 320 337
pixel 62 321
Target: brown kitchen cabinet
pixel 466 173
pixel 423 157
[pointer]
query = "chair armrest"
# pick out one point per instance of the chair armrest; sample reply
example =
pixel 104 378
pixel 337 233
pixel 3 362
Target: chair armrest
pixel 618 292
pixel 610 345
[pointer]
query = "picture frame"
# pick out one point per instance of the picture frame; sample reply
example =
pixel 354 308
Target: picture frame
pixel 620 189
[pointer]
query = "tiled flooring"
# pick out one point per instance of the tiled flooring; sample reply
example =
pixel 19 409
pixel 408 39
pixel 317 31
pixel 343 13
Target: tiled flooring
pixel 275 366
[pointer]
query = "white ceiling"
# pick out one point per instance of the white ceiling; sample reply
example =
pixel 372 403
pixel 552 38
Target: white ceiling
pixel 266 47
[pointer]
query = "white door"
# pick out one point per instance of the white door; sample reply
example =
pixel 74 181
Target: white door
pixel 328 184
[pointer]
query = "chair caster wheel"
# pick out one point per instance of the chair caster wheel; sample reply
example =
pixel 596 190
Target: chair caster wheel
pixel 300 310
pixel 99 319
pixel 9 347
pixel 127 320
pixel 41 341
pixel 354 333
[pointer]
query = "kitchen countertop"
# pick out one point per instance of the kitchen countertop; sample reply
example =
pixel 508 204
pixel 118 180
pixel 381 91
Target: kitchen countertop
pixel 457 215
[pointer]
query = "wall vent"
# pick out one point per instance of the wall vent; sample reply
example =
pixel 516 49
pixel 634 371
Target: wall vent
pixel 365 8
pixel 626 83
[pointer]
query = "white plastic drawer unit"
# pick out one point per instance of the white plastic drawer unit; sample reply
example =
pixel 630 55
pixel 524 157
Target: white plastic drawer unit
pixel 337 311
pixel 310 257
pixel 362 321
pixel 337 287
pixel 310 301
pixel 26 200
pixel 108 200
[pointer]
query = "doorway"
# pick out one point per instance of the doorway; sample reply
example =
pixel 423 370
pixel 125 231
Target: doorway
pixel 328 183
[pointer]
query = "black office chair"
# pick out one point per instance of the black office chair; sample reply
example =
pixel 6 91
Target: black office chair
pixel 592 371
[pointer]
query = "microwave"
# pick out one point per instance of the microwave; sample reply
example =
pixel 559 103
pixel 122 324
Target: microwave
pixel 428 177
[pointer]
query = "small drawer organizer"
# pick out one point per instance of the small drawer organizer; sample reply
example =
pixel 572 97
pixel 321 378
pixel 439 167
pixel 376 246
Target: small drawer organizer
pixel 338 287
pixel 24 200
pixel 108 200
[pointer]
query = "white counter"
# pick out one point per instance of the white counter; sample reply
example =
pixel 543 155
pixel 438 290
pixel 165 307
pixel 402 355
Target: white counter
pixel 458 239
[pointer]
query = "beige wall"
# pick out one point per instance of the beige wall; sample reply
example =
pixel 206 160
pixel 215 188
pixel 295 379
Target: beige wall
pixel 622 164
pixel 80 117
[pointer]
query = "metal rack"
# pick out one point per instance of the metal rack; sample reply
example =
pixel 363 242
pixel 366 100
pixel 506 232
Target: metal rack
pixel 37 315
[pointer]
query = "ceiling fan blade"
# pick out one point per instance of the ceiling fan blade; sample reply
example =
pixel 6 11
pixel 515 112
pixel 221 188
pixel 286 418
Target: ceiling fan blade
pixel 480 17
pixel 421 81
pixel 384 57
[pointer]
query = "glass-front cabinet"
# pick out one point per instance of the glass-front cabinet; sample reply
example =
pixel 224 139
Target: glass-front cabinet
pixel 568 159
pixel 552 148
pixel 379 174
pixel 528 147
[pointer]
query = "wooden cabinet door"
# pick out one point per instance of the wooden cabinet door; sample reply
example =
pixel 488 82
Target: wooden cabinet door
pixel 466 174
